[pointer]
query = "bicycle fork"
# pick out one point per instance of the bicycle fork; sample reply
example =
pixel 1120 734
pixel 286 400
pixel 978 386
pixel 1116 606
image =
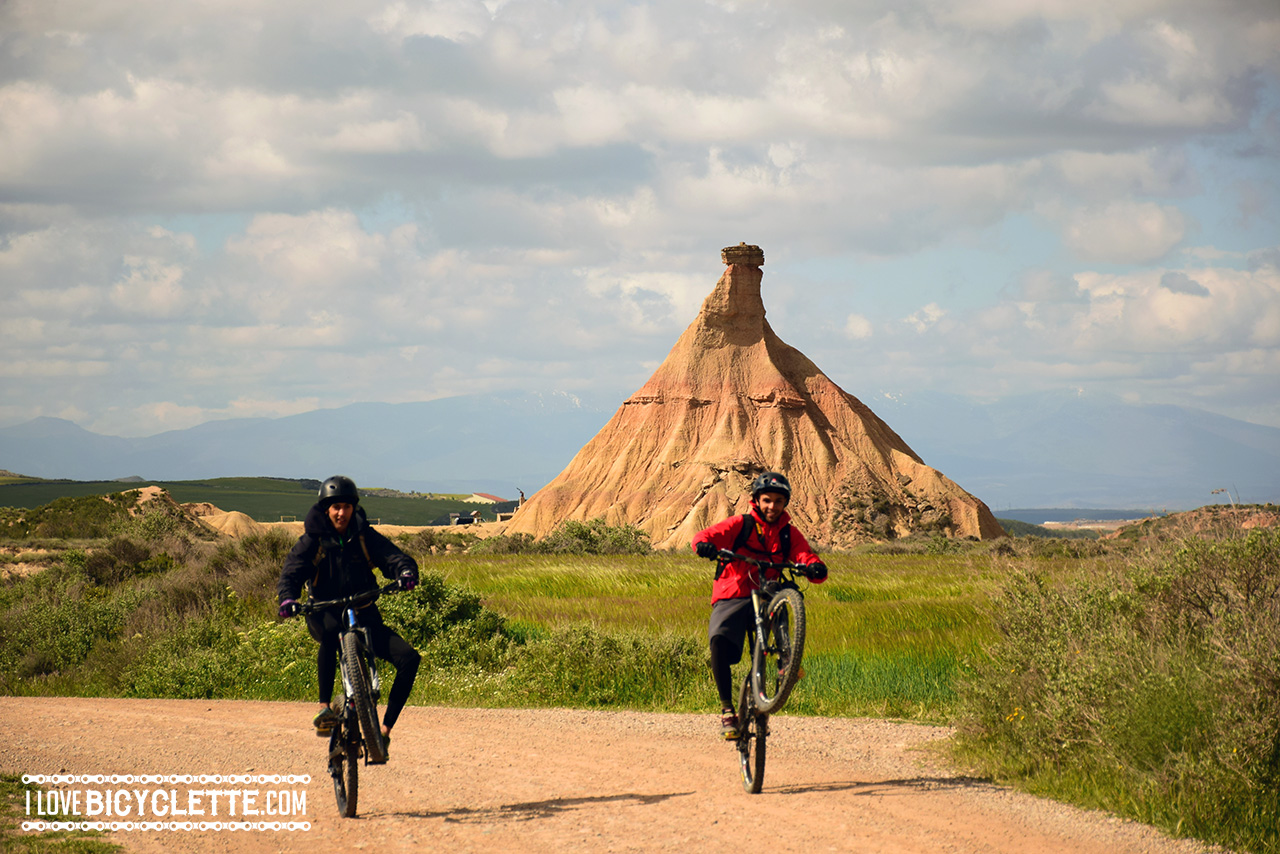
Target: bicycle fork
pixel 756 608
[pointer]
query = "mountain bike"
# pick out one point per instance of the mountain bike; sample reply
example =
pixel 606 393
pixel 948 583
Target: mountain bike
pixel 357 732
pixel 776 650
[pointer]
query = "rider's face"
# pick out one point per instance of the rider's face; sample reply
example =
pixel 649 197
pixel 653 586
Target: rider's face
pixel 340 514
pixel 771 505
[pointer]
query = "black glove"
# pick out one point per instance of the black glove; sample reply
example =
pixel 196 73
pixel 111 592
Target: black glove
pixel 288 608
pixel 816 571
pixel 408 579
pixel 705 549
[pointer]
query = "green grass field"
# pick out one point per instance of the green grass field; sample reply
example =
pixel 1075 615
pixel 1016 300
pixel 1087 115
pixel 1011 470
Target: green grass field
pixel 886 634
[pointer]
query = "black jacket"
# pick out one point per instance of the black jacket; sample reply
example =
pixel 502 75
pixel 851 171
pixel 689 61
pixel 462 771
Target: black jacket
pixel 343 568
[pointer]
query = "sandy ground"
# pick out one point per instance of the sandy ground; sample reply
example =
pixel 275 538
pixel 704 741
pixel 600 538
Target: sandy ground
pixel 560 780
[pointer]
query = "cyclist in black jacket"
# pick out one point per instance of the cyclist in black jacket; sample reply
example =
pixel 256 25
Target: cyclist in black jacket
pixel 335 557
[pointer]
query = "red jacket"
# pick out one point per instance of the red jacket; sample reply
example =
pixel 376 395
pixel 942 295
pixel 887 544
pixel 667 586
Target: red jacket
pixel 740 578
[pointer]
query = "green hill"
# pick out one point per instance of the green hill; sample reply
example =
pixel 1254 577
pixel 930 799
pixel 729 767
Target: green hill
pixel 1014 528
pixel 264 499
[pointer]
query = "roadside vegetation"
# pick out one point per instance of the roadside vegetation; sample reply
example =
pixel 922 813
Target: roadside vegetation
pixel 1148 687
pixel 1140 674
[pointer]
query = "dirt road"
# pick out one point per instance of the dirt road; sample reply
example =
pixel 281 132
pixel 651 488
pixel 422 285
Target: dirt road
pixel 556 780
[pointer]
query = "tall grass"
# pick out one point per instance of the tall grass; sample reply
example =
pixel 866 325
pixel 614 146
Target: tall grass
pixel 886 634
pixel 1150 688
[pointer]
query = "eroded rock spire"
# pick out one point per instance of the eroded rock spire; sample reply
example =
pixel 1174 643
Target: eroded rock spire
pixel 731 400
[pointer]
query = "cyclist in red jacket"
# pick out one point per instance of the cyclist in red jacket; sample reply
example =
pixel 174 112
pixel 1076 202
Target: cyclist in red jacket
pixel 765 533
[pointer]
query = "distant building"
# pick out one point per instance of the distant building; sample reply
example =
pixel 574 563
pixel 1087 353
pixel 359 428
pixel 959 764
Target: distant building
pixel 484 498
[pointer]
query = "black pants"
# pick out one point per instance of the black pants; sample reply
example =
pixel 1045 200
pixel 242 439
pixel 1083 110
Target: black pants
pixel 732 621
pixel 387 645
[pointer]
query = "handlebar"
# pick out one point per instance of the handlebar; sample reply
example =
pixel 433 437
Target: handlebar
pixel 312 605
pixel 726 556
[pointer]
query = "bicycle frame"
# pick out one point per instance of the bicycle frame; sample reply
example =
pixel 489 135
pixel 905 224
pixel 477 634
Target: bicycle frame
pixel 759 603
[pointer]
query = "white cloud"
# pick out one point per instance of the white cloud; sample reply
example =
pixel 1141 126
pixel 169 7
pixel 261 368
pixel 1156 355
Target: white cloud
pixel 1124 232
pixel 210 195
pixel 456 20
pixel 927 317
pixel 858 327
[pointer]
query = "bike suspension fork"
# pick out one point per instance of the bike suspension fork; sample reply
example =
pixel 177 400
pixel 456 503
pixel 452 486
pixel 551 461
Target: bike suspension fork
pixel 756 609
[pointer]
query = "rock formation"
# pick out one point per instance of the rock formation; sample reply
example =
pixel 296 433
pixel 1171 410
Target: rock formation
pixel 732 400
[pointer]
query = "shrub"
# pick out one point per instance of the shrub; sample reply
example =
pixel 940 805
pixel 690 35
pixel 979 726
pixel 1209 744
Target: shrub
pixel 215 658
pixel 433 608
pixel 1153 692
pixel 582 666
pixel 55 626
pixel 75 518
pixel 596 538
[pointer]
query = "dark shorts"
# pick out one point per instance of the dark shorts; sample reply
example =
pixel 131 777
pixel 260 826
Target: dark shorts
pixel 733 620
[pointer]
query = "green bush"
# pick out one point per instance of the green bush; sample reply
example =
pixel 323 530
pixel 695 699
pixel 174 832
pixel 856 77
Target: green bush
pixel 55 626
pixel 594 538
pixel 448 623
pixel 251 567
pixel 215 658
pixel 1153 692
pixel 582 666
pixel 69 518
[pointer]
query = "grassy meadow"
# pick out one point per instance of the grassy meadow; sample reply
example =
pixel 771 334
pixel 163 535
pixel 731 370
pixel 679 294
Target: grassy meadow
pixel 886 633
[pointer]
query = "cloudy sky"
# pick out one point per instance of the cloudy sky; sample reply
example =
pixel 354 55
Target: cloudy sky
pixel 224 208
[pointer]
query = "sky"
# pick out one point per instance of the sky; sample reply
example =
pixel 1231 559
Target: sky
pixel 231 208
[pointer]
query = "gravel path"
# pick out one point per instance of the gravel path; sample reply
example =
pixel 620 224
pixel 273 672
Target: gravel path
pixel 503 780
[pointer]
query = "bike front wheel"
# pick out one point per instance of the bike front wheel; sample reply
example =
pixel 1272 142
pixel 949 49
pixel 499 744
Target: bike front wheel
pixel 776 667
pixel 356 672
pixel 344 767
pixel 752 731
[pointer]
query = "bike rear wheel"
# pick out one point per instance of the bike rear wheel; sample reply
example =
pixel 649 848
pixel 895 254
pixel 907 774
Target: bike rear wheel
pixel 752 731
pixel 776 668
pixel 355 670
pixel 344 767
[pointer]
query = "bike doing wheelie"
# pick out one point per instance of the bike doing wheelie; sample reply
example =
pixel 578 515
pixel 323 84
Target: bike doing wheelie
pixel 355 733
pixel 777 647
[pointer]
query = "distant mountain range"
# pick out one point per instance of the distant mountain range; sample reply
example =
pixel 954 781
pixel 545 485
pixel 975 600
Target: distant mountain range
pixel 1046 450
pixel 1083 450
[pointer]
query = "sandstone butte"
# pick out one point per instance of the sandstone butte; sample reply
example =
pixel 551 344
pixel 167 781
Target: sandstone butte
pixel 732 400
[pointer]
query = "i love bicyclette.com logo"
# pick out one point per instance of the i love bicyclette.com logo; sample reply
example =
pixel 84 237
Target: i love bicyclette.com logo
pixel 184 802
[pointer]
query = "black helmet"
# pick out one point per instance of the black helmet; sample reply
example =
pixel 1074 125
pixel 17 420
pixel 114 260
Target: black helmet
pixel 771 481
pixel 339 488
